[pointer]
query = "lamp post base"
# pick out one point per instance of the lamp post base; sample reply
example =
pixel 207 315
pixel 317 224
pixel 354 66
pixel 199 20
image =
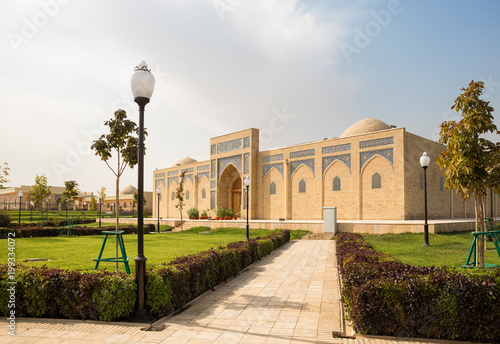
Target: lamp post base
pixel 141 313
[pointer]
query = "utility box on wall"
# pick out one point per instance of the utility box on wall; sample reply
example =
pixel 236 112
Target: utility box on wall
pixel 330 220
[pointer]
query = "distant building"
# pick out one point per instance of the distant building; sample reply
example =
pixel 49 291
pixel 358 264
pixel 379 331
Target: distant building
pixel 371 172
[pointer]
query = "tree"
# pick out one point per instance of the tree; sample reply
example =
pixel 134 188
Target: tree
pixel 122 141
pixel 40 191
pixel 71 191
pixel 4 172
pixel 471 162
pixel 93 203
pixel 102 193
pixel 179 195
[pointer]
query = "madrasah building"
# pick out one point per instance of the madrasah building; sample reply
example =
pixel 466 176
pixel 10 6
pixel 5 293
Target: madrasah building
pixel 371 172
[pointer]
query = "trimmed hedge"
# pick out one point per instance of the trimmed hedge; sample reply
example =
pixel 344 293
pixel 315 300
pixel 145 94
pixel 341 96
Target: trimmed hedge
pixel 172 285
pixel 36 232
pixel 386 297
pixel 103 295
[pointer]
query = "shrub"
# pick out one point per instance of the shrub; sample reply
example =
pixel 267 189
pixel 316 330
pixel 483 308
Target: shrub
pixel 386 297
pixel 193 213
pixel 35 232
pixel 5 219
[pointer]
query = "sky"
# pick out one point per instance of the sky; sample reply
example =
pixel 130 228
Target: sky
pixel 299 71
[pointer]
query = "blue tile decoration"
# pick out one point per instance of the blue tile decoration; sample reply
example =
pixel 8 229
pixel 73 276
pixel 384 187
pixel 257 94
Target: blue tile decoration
pixel 246 142
pixel 345 158
pixel 377 142
pixel 275 157
pixel 302 154
pixel 246 163
pixel 212 199
pixel 266 168
pixel 212 184
pixel 385 153
pixel 203 168
pixel 188 170
pixel 228 146
pixel 295 164
pixel 203 174
pixel 234 160
pixel 173 179
pixel 212 171
pixel 158 181
pixel 173 173
pixel 213 149
pixel 245 198
pixel 190 177
pixel 338 148
pixel 160 175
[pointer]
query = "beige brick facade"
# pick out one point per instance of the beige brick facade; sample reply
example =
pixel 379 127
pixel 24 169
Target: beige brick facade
pixel 376 168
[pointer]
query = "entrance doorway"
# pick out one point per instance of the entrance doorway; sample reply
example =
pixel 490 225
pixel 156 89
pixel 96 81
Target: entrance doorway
pixel 236 196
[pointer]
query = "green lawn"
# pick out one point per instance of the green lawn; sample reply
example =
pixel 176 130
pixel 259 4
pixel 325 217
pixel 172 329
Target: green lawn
pixel 78 252
pixel 446 248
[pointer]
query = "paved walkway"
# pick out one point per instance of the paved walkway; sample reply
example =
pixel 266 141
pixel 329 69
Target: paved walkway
pixel 291 296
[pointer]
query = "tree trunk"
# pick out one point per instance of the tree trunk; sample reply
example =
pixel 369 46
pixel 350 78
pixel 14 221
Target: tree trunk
pixel 181 218
pixel 482 237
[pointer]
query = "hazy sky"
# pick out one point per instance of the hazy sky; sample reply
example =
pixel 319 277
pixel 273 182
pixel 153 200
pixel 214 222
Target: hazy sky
pixel 312 67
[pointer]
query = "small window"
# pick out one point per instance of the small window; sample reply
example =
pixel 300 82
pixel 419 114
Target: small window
pixel 272 188
pixel 336 184
pixel 173 196
pixel 203 194
pixel 422 182
pixel 441 184
pixel 302 186
pixel 187 194
pixel 376 181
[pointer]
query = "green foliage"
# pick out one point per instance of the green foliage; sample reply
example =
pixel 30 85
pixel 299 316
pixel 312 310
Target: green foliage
pixel 5 219
pixel 386 297
pixel 93 203
pixel 204 213
pixel 53 231
pixel 4 172
pixel 193 213
pixel 116 297
pixel 40 190
pixel 179 193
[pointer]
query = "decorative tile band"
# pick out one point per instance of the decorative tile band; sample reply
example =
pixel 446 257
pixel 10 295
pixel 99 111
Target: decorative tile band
pixel 295 164
pixel 266 168
pixel 160 175
pixel 190 177
pixel 158 181
pixel 173 173
pixel 212 171
pixel 173 179
pixel 213 149
pixel 212 184
pixel 229 146
pixel 275 157
pixel 246 163
pixel 378 142
pixel 337 148
pixel 328 160
pixel 385 153
pixel 246 142
pixel 188 170
pixel 212 199
pixel 203 174
pixel 302 154
pixel 234 160
pixel 203 168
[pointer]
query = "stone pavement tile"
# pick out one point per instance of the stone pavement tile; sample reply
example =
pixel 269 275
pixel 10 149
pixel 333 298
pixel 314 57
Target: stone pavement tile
pixel 282 331
pixel 229 337
pixel 259 330
pixel 310 333
pixel 175 340
pixel 76 341
pixel 184 334
pixel 208 335
pixel 253 338
pixel 32 332
pixel 74 335
pixel 7 339
pixel 49 341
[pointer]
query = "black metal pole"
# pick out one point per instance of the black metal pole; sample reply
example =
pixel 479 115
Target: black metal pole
pixel 31 212
pixel 426 226
pixel 248 207
pixel 100 214
pixel 20 202
pixel 158 213
pixel 140 260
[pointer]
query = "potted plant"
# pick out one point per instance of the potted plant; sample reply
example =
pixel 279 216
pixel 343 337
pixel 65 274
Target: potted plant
pixel 193 214
pixel 221 213
pixel 229 214
pixel 238 214
pixel 204 215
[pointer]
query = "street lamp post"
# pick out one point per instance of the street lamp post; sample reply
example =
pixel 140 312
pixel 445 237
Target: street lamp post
pixel 84 208
pixel 424 162
pixel 100 214
pixel 142 83
pixel 31 211
pixel 158 192
pixel 246 182
pixel 20 194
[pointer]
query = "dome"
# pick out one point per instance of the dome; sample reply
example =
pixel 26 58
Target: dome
pixel 365 126
pixel 184 161
pixel 129 190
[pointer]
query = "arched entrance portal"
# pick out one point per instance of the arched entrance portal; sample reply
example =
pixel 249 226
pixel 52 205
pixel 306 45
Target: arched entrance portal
pixel 230 189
